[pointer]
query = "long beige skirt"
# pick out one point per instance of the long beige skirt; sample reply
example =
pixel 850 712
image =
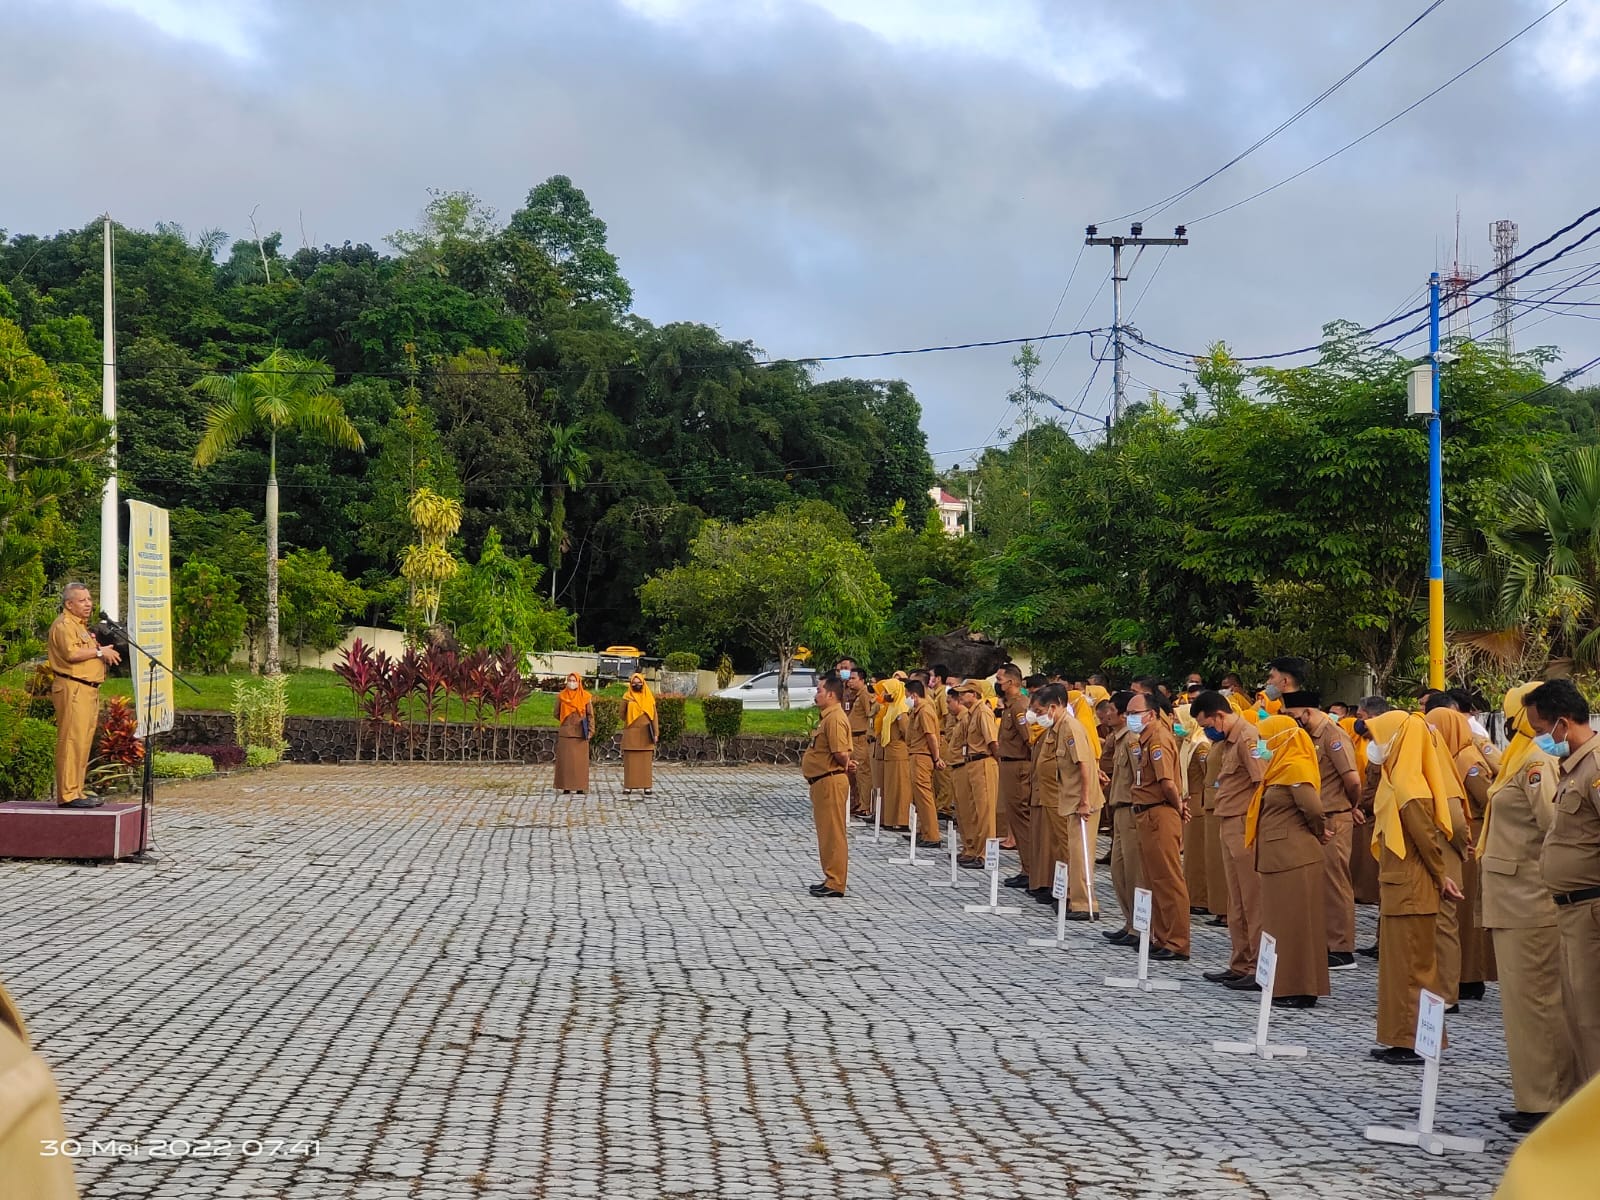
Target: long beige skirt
pixel 572 757
pixel 1292 911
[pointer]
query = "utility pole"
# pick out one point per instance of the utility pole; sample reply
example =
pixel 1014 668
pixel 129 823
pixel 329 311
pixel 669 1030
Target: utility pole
pixel 1136 238
pixel 109 558
pixel 1435 501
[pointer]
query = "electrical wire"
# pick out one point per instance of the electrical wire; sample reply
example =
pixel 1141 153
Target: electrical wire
pixel 1161 206
pixel 1379 128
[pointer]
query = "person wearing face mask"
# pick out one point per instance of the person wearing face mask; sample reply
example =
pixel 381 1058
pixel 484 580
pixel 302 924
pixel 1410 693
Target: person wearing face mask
pixel 1570 861
pixel 1040 853
pixel 1192 687
pixel 574 728
pixel 1286 674
pixel 1363 867
pixel 1410 824
pixel 895 748
pixel 981 767
pixel 1456 847
pixel 858 708
pixel 1159 812
pixel 922 737
pixel 1074 811
pixel 937 685
pixel 1339 789
pixel 1473 776
pixel 952 749
pixel 1193 751
pixel 1127 868
pixel 640 733
pixel 826 765
pixel 1239 772
pixel 1515 906
pixel 1015 804
pixel 1286 827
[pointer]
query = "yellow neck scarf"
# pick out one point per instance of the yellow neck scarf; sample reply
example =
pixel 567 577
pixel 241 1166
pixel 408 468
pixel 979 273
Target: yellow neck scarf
pixel 892 694
pixel 638 704
pixel 1294 760
pixel 1411 771
pixel 1083 708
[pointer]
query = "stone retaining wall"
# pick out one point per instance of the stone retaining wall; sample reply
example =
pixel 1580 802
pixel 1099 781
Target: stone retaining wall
pixel 333 739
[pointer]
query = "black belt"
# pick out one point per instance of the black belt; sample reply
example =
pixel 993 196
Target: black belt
pixel 1004 759
pixel 1139 808
pixel 75 679
pixel 1577 897
pixel 829 775
pixel 971 758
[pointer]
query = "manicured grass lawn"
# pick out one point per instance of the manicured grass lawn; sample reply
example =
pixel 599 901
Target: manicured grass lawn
pixel 321 694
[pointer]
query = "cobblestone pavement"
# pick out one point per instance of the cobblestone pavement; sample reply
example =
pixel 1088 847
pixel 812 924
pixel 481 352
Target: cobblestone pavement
pixel 462 985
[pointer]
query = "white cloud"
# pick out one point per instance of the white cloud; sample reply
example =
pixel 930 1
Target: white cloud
pixel 1567 51
pixel 225 25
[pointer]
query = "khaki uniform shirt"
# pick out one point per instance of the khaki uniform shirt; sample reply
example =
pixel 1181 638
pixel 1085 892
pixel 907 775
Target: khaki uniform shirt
pixel 1335 758
pixel 832 736
pixel 67 634
pixel 1013 730
pixel 980 730
pixel 1511 888
pixel 1072 747
pixel 1240 771
pixel 1155 760
pixel 1289 829
pixel 1409 886
pixel 1121 771
pixel 1047 768
pixel 924 721
pixel 1216 755
pixel 1571 860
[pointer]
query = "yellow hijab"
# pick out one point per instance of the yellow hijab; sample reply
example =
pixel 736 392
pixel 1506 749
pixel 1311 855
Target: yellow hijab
pixel 1517 753
pixel 1188 746
pixel 572 700
pixel 638 704
pixel 1454 737
pixel 1358 744
pixel 1294 760
pixel 1411 771
pixel 1244 708
pixel 1083 708
pixel 892 694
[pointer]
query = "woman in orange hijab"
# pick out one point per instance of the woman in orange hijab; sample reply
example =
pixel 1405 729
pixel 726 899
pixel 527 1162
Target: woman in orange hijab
pixel 574 728
pixel 640 732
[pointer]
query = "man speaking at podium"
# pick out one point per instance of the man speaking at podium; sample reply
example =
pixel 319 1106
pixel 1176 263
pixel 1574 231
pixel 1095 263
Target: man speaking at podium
pixel 79 664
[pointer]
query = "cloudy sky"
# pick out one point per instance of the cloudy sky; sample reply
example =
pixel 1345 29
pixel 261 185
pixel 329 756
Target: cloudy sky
pixel 834 176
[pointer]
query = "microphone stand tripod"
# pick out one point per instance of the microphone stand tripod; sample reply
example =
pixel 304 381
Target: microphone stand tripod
pixel 149 789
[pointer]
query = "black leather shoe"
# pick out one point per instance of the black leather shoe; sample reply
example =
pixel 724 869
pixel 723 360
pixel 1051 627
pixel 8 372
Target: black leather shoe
pixel 1242 984
pixel 1042 895
pixel 1526 1122
pixel 1122 937
pixel 922 845
pixel 1369 951
pixel 1471 991
pixel 1197 912
pixel 1016 881
pixel 1220 922
pixel 1397 1056
pixel 1162 954
pixel 84 802
pixel 1294 1002
pixel 1222 976
pixel 816 889
pixel 1454 1008
pixel 1339 960
pixel 826 893
pixel 1077 915
pixel 970 864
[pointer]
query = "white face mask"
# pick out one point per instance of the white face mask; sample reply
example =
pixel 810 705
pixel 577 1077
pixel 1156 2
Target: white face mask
pixel 1047 721
pixel 911 701
pixel 572 685
pixel 1377 753
pixel 1029 718
pixel 1479 729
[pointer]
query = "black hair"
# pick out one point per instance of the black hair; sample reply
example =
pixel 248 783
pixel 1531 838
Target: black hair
pixel 939 669
pixel 1296 668
pixel 1209 704
pixel 1010 671
pixel 1462 698
pixel 1120 699
pixel 1440 700
pixel 833 685
pixel 1556 699
pixel 1374 706
pixel 1051 693
pixel 915 687
pixel 1034 681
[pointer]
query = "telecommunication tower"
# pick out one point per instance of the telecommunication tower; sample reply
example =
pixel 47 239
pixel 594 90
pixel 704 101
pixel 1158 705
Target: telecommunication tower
pixel 1503 235
pixel 1456 294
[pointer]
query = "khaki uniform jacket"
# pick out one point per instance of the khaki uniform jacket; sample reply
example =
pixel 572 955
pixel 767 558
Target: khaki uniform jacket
pixel 1511 888
pixel 1121 771
pixel 1216 755
pixel 924 721
pixel 980 731
pixel 1289 829
pixel 1047 769
pixel 1409 886
pixel 67 634
pixel 1334 759
pixel 1571 859
pixel 1013 730
pixel 1240 771
pixel 1072 747
pixel 858 708
pixel 832 736
pixel 1154 755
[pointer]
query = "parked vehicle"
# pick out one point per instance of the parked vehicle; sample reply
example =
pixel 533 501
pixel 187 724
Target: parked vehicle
pixel 761 691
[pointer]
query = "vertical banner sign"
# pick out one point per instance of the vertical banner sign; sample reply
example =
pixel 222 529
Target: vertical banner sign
pixel 150 615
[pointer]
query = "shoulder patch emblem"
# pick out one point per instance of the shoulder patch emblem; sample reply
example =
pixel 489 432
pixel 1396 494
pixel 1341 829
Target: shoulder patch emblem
pixel 1338 746
pixel 1535 775
pixel 1472 772
pixel 1156 754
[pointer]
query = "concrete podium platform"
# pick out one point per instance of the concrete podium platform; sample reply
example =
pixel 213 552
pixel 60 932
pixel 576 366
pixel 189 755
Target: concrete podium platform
pixel 46 830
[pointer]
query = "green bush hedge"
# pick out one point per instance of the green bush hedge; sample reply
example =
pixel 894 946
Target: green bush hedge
pixel 170 765
pixel 27 757
pixel 261 756
pixel 681 660
pixel 724 718
pixel 607 721
pixel 671 719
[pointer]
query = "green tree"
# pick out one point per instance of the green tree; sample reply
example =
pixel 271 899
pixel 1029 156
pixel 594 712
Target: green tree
pixel 568 464
pixel 931 577
pixel 285 393
pixel 209 617
pixel 559 220
pixel 791 577
pixel 318 602
pixel 496 602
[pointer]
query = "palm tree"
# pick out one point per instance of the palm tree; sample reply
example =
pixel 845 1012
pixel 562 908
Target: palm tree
pixel 569 467
pixel 284 393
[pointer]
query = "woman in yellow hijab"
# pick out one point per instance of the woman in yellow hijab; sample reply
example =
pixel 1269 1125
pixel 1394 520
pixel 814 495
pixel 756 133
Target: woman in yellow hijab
pixel 1521 920
pixel 1285 824
pixel 891 721
pixel 574 728
pixel 1467 957
pixel 640 732
pixel 1411 820
pixel 1193 751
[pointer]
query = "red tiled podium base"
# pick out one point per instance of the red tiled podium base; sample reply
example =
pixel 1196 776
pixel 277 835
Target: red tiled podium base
pixel 34 830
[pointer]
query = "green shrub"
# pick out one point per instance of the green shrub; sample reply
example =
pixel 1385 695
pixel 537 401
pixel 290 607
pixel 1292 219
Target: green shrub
pixel 607 721
pixel 27 757
pixel 210 617
pixel 671 717
pixel 169 765
pixel 261 756
pixel 724 718
pixel 259 711
pixel 681 660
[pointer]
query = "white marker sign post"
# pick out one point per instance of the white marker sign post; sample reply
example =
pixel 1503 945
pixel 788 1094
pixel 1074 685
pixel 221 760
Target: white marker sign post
pixel 913 861
pixel 955 867
pixel 991 861
pixel 1088 868
pixel 877 814
pixel 1266 973
pixel 1141 923
pixel 1430 1042
pixel 1058 889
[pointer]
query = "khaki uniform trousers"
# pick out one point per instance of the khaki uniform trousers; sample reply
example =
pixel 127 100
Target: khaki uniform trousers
pixel 861 781
pixel 1069 844
pixel 1580 979
pixel 966 819
pixel 1544 1062
pixel 1015 801
pixel 1216 880
pixel 1244 896
pixel 922 804
pixel 1339 900
pixel 77 708
pixel 1127 867
pixel 829 796
pixel 983 785
pixel 1161 851
pixel 1447 950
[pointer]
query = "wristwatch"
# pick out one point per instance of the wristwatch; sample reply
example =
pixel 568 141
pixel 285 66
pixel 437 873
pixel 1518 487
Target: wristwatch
pixel 99 651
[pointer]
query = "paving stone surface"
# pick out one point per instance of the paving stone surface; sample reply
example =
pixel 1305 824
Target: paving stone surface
pixel 435 982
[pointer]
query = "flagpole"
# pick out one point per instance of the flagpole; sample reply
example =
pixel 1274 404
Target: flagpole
pixel 108 406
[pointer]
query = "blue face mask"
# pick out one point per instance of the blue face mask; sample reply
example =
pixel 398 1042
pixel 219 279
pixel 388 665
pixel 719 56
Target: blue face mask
pixel 1361 727
pixel 1262 714
pixel 844 672
pixel 1216 735
pixel 1550 746
pixel 1136 722
pixel 1263 751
